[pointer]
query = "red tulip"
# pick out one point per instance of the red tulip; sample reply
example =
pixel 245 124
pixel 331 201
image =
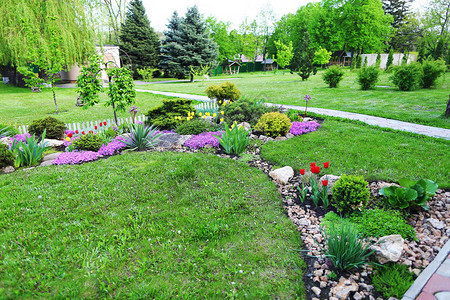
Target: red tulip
pixel 326 164
pixel 315 169
pixel 313 164
pixel 104 123
pixel 83 132
pixel 76 131
pixel 70 135
pixel 90 131
pixel 325 182
pixel 101 124
pixel 302 171
pixel 95 127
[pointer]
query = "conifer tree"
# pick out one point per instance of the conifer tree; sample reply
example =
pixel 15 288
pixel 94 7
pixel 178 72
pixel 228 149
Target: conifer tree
pixel 390 58
pixel 189 45
pixel 170 48
pixel 138 39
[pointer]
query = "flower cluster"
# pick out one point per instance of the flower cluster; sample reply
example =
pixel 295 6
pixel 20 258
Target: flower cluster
pixel 203 139
pixel 21 138
pixel 73 158
pixel 112 148
pixel 299 128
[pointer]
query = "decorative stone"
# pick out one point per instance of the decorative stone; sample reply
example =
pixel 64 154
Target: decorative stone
pixel 263 138
pixel 289 135
pixel 8 169
pixel 6 140
pixel 436 223
pixel 246 126
pixel 46 163
pixel 307 119
pixel 331 181
pixel 282 175
pixel 388 249
pixel 357 296
pixel 53 143
pixel 344 287
pixel 316 290
pixel 51 157
pixel 280 138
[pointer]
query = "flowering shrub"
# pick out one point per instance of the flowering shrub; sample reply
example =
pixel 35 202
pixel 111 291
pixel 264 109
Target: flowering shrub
pixel 299 128
pixel 74 158
pixel 204 139
pixel 112 148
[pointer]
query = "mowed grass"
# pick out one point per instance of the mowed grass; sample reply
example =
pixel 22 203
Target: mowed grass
pixel 21 106
pixel 423 106
pixel 355 148
pixel 147 226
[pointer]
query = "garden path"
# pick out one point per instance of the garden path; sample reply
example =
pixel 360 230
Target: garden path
pixel 371 120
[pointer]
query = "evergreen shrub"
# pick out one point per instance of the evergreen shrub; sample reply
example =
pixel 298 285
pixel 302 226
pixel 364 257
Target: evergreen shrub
pixel 350 193
pixel 88 142
pixel 6 156
pixel 54 128
pixel 244 110
pixel 432 69
pixel 273 124
pixel 163 116
pixel 368 77
pixel 333 76
pixel 225 91
pixel 407 77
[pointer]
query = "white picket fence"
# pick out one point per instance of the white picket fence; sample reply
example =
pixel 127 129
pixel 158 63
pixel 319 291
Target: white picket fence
pixel 207 106
pixel 90 125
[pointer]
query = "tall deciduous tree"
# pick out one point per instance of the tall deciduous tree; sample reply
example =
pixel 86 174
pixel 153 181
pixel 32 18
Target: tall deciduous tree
pixel 188 45
pixel 138 39
pixel 115 10
pixel 285 53
pixel 220 33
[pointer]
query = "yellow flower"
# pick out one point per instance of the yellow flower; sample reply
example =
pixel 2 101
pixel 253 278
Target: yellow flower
pixel 68 139
pixel 221 120
pixel 200 114
pixel 207 114
pixel 214 115
pixel 222 112
pixel 224 103
pixel 220 101
pixel 204 117
pixel 231 102
pixel 232 126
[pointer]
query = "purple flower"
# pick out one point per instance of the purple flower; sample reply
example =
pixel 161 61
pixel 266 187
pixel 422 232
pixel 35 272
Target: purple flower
pixel 133 109
pixel 299 128
pixel 74 158
pixel 21 137
pixel 112 148
pixel 307 98
pixel 67 132
pixel 139 122
pixel 203 139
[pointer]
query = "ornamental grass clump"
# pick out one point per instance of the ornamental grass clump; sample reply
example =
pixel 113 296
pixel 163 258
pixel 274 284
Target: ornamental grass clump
pixel 141 137
pixel 30 152
pixel 299 128
pixel 344 246
pixel 234 140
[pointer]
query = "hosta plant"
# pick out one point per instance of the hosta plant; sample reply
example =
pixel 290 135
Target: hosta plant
pixel 141 137
pixel 29 153
pixel 234 140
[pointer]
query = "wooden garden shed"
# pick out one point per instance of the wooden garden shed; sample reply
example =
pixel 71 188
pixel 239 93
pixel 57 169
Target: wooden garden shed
pixel 341 58
pixel 231 67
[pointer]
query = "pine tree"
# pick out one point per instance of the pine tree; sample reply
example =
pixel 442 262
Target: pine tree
pixel 138 39
pixel 302 62
pixel 358 61
pixel 378 61
pixel 390 58
pixel 188 45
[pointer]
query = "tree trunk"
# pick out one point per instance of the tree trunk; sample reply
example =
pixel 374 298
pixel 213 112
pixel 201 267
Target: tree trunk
pixel 115 114
pixel 54 98
pixel 447 111
pixel 192 78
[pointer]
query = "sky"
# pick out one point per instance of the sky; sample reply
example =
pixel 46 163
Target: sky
pixel 233 11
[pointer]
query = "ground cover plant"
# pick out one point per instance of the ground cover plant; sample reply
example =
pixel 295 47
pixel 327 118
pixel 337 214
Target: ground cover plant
pixel 392 280
pixel 372 152
pixel 422 106
pixel 195 226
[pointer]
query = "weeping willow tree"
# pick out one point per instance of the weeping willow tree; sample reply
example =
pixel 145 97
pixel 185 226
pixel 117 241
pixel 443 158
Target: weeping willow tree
pixel 40 38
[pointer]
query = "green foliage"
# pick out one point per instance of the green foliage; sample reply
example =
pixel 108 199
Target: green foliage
pixel 31 152
pixel 8 130
pixel 121 91
pixel 138 39
pixel 390 58
pixel 378 61
pixel 302 192
pixel 54 127
pixel 344 246
pixel 273 124
pixel 378 222
pixel 146 73
pixel 365 63
pixel 322 56
pixel 294 115
pixel 333 76
pixel 88 142
pixel 398 197
pixel 432 69
pixel 368 77
pixel 285 53
pixel 392 280
pixel 89 82
pixel 234 140
pixel 407 77
pixel 302 62
pixel 195 126
pixel 225 91
pixel 6 156
pixel 141 137
pixel 358 61
pixel 163 116
pixel 350 193
pixel 244 110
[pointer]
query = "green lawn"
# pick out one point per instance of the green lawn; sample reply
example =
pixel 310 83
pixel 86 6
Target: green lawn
pixel 424 106
pixel 21 106
pixel 147 226
pixel 355 148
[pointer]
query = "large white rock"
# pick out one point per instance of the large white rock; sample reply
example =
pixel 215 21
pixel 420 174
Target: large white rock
pixel 7 169
pixel 6 140
pixel 51 157
pixel 389 248
pixel 331 181
pixel 246 126
pixel 344 287
pixel 53 143
pixel 282 175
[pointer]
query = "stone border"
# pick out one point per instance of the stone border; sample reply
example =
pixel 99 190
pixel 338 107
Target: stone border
pixel 426 274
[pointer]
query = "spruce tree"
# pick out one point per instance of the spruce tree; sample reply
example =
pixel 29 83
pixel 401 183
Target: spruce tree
pixel 302 62
pixel 190 46
pixel 170 49
pixel 390 58
pixel 138 39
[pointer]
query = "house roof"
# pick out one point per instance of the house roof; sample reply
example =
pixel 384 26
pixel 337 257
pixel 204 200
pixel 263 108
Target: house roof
pixel 341 53
pixel 268 61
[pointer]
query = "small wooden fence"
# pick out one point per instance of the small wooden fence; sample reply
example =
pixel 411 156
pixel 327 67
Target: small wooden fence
pixel 207 106
pixel 90 125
